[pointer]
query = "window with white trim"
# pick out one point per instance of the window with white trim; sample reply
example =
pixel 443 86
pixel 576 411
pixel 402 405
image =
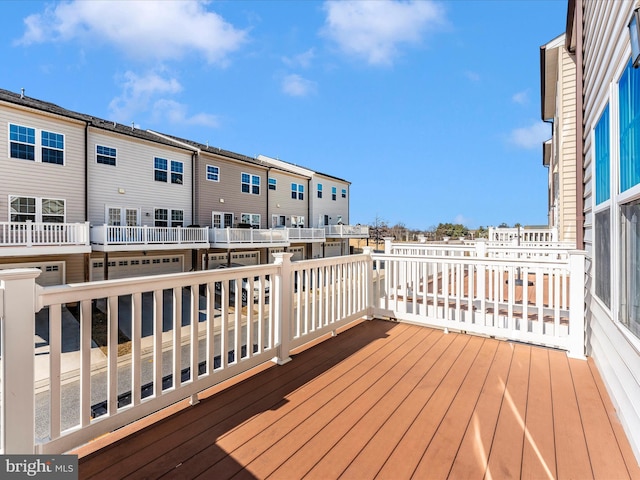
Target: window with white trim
pixel 602 224
pixel 160 166
pixel 252 219
pixel 52 148
pixel 46 210
pixel 23 145
pixel 221 219
pixel 344 193
pixel 250 183
pixel 122 216
pixel 164 217
pixel 297 191
pixel 334 193
pixel 319 190
pixel 272 183
pixel 213 173
pixel 177 218
pixel 105 155
pixel 177 171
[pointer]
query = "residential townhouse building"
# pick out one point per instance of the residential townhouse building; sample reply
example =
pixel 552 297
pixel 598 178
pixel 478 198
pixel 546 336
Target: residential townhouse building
pixel 42 192
pixel 328 209
pixel 599 37
pixel 558 107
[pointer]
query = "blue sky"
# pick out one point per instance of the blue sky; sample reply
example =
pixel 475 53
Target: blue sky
pixel 430 109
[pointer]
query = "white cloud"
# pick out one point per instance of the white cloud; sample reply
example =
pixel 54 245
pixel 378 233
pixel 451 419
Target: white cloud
pixel 461 219
pixel 297 86
pixel 531 136
pixel 138 93
pixel 177 113
pixel 521 98
pixel 144 29
pixel 301 60
pixel 373 30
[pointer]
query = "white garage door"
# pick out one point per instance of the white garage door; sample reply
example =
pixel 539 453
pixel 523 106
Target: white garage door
pixel 240 258
pixel 52 272
pixel 128 267
pixel 332 249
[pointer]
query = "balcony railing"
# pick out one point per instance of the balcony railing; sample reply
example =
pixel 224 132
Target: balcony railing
pixel 347 231
pixel 116 237
pixel 249 237
pixel 44 237
pixel 306 234
pixel 166 338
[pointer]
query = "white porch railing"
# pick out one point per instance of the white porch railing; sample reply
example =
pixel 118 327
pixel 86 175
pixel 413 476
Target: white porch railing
pixel 229 237
pixel 117 235
pixel 347 231
pixel 530 236
pixel 306 234
pixel 148 342
pixel 31 234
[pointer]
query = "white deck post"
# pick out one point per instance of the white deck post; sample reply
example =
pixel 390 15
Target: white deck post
pixel 283 307
pixel 387 245
pixel 18 400
pixel 576 305
pixel 369 301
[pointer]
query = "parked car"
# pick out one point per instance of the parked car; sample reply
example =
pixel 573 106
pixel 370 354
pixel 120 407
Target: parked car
pixel 245 286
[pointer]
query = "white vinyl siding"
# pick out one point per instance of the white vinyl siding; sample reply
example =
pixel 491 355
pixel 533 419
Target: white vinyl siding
pixel 131 185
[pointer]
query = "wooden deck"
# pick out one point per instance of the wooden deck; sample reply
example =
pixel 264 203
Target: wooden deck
pixel 387 400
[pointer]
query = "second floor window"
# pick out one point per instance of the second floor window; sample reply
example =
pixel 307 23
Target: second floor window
pixel 319 190
pixel 176 172
pixel 213 173
pixel 272 183
pixel 23 145
pixel 334 193
pixel 52 148
pixel 160 169
pixel 297 191
pixel 344 193
pixel 250 183
pixel 106 155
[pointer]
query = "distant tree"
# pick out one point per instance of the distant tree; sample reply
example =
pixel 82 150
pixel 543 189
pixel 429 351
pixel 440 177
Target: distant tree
pixel 378 230
pixel 451 230
pixel 503 225
pixel 481 232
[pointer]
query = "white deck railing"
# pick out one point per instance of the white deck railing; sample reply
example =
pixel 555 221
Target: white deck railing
pixel 249 236
pixel 145 343
pixel 344 231
pixel 306 234
pixel 145 235
pixel 30 234
pixel 539 236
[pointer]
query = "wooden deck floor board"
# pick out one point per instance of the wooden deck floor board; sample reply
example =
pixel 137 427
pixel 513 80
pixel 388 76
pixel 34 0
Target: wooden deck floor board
pixel 388 400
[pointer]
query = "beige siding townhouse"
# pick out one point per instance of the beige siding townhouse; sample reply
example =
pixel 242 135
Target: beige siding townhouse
pixel 558 106
pixel 42 192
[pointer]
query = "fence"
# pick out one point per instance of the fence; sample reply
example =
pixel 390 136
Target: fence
pixel 133 235
pixel 144 343
pixel 29 234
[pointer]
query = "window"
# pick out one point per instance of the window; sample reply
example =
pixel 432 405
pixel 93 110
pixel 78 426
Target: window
pixel 106 155
pixel 52 211
pixel 334 193
pixel 22 142
pixel 602 247
pixel 630 262
pixel 319 190
pixel 252 219
pixel 160 169
pixel 629 87
pixel 118 216
pixel 52 148
pixel 177 218
pixel 297 191
pixel 344 193
pixel 176 172
pixel 297 221
pixel 23 209
pixel 161 217
pixel 602 157
pixel 46 210
pixel 221 219
pixel 213 173
pixel 272 183
pixel 250 183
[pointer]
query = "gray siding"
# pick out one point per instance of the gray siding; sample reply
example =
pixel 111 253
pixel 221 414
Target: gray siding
pixel 280 201
pixel 226 195
pixel 43 180
pixel 133 175
pixel 325 205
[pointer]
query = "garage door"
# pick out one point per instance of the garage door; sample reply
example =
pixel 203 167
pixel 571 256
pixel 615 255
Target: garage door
pixel 332 249
pixel 241 258
pixel 52 272
pixel 298 253
pixel 127 267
